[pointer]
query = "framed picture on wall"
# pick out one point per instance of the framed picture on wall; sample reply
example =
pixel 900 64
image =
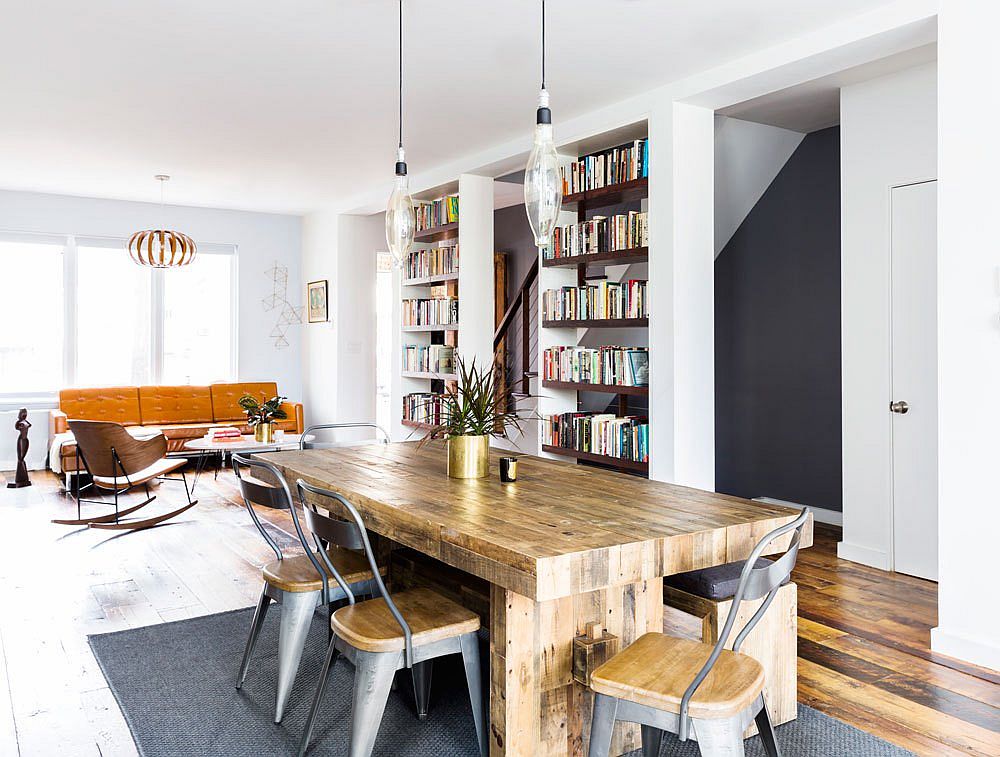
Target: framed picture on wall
pixel 316 297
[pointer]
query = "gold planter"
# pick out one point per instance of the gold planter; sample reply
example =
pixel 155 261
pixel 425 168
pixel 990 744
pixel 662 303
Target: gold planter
pixel 263 433
pixel 469 456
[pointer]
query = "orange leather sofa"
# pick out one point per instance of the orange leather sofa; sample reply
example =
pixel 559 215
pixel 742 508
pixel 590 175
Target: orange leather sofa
pixel 180 412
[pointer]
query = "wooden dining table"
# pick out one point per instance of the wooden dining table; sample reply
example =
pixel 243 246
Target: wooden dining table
pixel 563 546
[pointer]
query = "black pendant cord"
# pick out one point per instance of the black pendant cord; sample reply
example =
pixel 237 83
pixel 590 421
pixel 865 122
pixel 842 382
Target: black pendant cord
pixel 400 73
pixel 543 44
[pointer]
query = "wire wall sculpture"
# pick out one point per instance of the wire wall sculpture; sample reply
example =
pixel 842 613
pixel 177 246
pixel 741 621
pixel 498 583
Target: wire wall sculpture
pixel 288 314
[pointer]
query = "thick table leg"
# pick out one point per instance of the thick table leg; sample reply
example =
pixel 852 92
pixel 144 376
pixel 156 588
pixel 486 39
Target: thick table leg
pixel 535 706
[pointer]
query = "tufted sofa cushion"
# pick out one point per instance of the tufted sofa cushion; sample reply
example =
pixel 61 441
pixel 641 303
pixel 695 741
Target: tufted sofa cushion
pixel 162 405
pixel 226 398
pixel 119 404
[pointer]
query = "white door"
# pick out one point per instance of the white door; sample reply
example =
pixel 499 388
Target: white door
pixel 913 408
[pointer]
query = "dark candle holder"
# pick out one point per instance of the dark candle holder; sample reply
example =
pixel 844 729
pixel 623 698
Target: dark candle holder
pixel 508 470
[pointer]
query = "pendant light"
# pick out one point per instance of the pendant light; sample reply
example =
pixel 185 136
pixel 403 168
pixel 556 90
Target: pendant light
pixel 161 248
pixel 399 220
pixel 542 184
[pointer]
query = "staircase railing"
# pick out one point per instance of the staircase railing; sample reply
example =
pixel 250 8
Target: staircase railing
pixel 520 301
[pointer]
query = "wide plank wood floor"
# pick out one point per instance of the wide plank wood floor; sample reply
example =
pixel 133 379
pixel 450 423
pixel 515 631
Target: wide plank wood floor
pixel 864 634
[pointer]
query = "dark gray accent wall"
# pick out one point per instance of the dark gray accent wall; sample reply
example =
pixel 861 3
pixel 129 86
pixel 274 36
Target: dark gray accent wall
pixel 777 337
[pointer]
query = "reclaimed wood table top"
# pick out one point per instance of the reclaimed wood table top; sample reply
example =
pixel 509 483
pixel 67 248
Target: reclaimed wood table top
pixel 561 529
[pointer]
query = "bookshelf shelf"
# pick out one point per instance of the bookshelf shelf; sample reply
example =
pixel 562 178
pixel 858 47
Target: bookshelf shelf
pixel 639 391
pixel 637 189
pixel 431 376
pixel 615 257
pixel 447 327
pixel 430 280
pixel 437 233
pixel 598 323
pixel 611 462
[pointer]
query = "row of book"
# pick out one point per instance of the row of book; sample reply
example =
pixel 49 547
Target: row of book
pixel 618 366
pixel 428 358
pixel 627 162
pixel 433 261
pixel 624 231
pixel 436 212
pixel 606 300
pixel 442 311
pixel 426 407
pixel 625 438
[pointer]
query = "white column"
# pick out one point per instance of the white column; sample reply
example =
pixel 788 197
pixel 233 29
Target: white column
pixel 475 272
pixel 681 294
pixel 968 336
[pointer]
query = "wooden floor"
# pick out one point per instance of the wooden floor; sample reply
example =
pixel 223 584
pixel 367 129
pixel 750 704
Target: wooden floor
pixel 863 634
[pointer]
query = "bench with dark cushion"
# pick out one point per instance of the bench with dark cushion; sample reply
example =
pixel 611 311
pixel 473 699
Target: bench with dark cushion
pixel 717 582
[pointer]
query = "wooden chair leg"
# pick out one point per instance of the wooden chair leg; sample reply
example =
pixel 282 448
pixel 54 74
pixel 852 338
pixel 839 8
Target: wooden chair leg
pixel 766 730
pixel 602 725
pixel 652 738
pixel 258 621
pixel 719 738
pixel 372 680
pixel 473 675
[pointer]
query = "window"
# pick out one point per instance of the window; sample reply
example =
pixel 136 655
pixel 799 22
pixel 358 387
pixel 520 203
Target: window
pixel 79 312
pixel 113 315
pixel 31 318
pixel 198 321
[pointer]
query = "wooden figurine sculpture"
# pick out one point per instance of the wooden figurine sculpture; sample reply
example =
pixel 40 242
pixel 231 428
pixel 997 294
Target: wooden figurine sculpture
pixel 21 425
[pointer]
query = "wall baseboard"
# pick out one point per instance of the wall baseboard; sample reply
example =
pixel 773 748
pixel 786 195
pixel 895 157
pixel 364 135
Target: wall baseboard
pixel 820 514
pixel 962 647
pixel 874 558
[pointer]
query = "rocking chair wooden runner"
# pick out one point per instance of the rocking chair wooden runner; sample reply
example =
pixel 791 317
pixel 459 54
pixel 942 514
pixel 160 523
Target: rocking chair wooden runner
pixel 117 462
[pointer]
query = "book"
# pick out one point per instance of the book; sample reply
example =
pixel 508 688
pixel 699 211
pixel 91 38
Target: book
pixel 626 438
pixel 616 165
pixel 439 212
pixel 433 261
pixel 603 301
pixel 441 311
pixel 428 358
pixel 426 407
pixel 611 365
pixel 624 231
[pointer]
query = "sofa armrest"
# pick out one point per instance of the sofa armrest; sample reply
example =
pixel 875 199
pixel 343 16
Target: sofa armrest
pixel 294 412
pixel 60 423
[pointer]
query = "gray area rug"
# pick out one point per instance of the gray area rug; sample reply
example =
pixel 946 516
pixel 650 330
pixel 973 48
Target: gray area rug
pixel 175 685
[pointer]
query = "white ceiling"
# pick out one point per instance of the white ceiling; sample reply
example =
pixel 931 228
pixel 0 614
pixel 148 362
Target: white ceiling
pixel 286 106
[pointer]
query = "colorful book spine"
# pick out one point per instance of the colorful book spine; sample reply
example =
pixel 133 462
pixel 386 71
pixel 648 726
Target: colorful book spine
pixel 436 212
pixel 617 165
pixel 625 438
pixel 433 261
pixel 610 365
pixel 441 311
pixel 428 358
pixel 426 407
pixel 625 231
pixel 603 301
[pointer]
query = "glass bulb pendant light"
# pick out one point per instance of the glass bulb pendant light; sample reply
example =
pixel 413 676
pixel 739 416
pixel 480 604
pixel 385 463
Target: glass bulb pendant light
pixel 399 220
pixel 542 183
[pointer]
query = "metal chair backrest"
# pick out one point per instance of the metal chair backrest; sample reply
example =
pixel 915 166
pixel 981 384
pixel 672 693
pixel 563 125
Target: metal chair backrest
pixel 108 450
pixel 349 534
pixel 276 497
pixel 309 441
pixel 755 583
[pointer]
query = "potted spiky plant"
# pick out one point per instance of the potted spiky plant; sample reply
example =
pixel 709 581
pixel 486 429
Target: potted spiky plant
pixel 261 415
pixel 476 410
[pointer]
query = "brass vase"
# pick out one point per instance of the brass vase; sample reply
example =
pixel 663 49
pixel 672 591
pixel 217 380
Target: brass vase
pixel 263 433
pixel 468 456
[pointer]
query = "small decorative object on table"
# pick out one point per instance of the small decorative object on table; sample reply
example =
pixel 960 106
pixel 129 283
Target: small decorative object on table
pixel 21 425
pixel 476 409
pixel 508 470
pixel 261 416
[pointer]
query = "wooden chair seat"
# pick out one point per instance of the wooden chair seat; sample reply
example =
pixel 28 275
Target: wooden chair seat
pixel 657 669
pixel 297 574
pixel 160 468
pixel 370 627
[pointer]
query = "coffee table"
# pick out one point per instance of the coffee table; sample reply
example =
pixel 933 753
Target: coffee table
pixel 206 448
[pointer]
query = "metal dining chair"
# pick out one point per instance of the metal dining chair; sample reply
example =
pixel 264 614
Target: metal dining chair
pixel 309 441
pixel 382 635
pixel 300 583
pixel 670 684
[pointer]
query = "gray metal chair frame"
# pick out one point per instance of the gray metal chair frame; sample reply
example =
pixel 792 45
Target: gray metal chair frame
pixel 375 671
pixel 304 442
pixel 297 608
pixel 723 736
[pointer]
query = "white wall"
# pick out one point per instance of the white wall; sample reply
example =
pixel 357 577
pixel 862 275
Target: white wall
pixel 748 156
pixel 261 239
pixel 888 137
pixel 968 334
pixel 338 357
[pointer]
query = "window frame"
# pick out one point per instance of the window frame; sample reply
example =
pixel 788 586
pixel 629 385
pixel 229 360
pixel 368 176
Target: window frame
pixel 70 347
